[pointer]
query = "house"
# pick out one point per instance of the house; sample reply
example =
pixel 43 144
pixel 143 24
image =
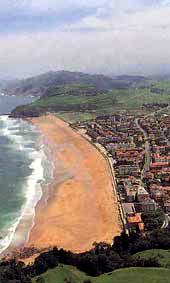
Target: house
pixel 158 166
pixel 142 194
pixel 167 206
pixel 129 209
pixel 148 205
pixel 126 170
pixel 135 222
pixel 130 190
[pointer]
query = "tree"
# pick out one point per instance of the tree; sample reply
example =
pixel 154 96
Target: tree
pixel 40 280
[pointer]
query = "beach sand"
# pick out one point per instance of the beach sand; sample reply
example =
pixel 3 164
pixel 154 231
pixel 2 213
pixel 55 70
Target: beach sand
pixel 78 207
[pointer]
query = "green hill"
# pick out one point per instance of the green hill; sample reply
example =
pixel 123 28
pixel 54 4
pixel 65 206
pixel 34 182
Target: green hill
pixel 136 275
pixel 69 102
pixel 83 93
pixel 76 99
pixel 39 85
pixel 162 255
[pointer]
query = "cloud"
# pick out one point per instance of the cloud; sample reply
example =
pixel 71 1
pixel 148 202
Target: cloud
pixel 29 15
pixel 19 15
pixel 92 36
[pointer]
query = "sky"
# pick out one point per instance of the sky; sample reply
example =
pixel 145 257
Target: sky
pixel 93 36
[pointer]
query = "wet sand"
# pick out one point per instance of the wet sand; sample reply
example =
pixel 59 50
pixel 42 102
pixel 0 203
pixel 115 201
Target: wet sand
pixel 78 207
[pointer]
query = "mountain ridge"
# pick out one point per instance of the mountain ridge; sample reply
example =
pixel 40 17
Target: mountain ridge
pixel 38 85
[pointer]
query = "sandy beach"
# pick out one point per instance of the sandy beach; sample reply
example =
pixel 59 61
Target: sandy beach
pixel 78 207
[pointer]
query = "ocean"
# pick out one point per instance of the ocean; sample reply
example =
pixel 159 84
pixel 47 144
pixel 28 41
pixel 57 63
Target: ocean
pixel 23 169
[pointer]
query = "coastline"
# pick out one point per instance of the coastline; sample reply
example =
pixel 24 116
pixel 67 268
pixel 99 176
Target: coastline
pixel 35 185
pixel 78 207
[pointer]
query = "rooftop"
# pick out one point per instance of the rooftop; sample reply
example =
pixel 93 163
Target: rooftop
pixel 135 219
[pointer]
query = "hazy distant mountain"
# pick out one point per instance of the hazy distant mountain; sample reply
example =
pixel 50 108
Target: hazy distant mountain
pixel 161 77
pixel 39 85
pixel 131 78
pixel 4 82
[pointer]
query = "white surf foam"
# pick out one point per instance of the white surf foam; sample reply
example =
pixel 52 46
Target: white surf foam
pixel 11 130
pixel 32 185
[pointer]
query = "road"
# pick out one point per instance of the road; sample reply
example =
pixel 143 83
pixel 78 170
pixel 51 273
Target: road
pixel 147 145
pixel 147 149
pixel 160 110
pixel 166 221
pixel 168 142
pixel 118 202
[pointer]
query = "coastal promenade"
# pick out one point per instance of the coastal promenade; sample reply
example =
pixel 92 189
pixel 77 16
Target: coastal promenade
pixel 78 207
pixel 116 196
pixel 147 149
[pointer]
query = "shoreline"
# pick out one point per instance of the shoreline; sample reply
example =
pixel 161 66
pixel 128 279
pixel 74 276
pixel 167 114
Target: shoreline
pixel 79 231
pixel 25 222
pixel 74 216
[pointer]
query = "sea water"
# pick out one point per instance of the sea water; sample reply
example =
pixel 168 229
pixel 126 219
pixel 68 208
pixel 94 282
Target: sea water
pixel 22 170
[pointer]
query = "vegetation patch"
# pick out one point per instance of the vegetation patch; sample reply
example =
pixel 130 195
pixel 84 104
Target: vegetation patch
pixel 153 220
pixel 79 98
pixel 70 274
pixel 162 255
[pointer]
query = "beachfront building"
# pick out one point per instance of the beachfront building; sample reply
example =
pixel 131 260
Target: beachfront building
pixel 147 206
pixel 142 194
pixel 129 209
pixel 125 143
pixel 135 223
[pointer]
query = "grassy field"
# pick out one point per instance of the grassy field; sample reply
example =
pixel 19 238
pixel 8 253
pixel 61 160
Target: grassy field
pixel 115 101
pixel 136 98
pixel 75 116
pixel 72 102
pixel 122 99
pixel 163 255
pixel 164 84
pixel 136 275
pixel 60 273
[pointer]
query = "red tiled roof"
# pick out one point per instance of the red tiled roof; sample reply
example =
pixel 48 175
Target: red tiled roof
pixel 141 226
pixel 158 164
pixel 135 219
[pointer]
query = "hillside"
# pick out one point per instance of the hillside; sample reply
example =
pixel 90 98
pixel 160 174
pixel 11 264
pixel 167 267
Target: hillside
pixel 65 92
pixel 5 82
pixel 68 102
pixel 131 78
pixel 39 85
pixel 162 255
pixel 136 275
pixel 81 98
